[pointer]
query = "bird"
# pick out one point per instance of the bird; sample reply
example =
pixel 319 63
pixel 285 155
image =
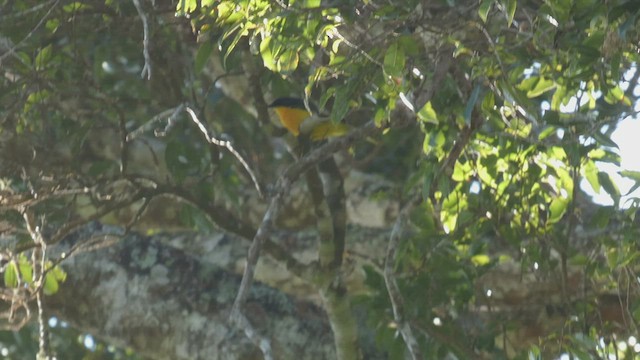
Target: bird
pixel 305 126
pixel 297 119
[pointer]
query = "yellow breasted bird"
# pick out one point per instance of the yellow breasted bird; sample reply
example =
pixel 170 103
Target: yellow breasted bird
pixel 295 117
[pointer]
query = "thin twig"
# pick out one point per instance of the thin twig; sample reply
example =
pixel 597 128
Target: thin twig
pixel 38 258
pixel 404 327
pixel 263 343
pixel 43 336
pixel 227 145
pixel 170 115
pixel 17 14
pixel 146 70
pixel 20 201
pixel 254 250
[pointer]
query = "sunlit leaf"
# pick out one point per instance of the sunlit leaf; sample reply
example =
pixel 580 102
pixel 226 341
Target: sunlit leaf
pixel 428 114
pixel 616 96
pixel 483 10
pixel 541 87
pixel 75 6
pixel 528 83
pixel 11 275
pixel 557 208
pixel 26 271
pixel 489 102
pixel 558 98
pixel 43 57
pixel 268 58
pixel 236 39
pixel 187 6
pixel 548 130
pixel 287 62
pixel 591 173
pixel 634 175
pixel 480 260
pixel 52 25
pixel 51 284
pixel 510 7
pixel 434 141
pixel 311 4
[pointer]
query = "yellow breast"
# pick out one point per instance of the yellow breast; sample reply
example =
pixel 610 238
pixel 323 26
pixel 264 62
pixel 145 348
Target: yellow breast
pixel 291 118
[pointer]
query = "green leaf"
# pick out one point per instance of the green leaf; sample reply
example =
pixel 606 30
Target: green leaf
pixel 394 60
pixel 52 25
pixel 488 103
pixel 428 114
pixel 202 56
pixel 51 284
pixel 26 271
pixel 75 6
pixel 187 6
pixel 528 83
pixel 546 131
pixel 591 173
pixel 534 353
pixel 633 175
pixel 604 139
pixel 52 280
pixel 341 102
pixel 609 186
pixel 311 4
pixel 434 141
pixel 267 54
pixel 483 10
pixel 287 62
pixel 541 87
pixel 43 57
pixel 616 96
pixel 11 275
pixel 558 98
pixel 480 260
pixel 557 208
pixel 510 8
pixel 604 155
pixel 471 103
pixel 236 39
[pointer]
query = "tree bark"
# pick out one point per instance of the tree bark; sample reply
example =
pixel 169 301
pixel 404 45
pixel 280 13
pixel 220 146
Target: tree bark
pixel 166 304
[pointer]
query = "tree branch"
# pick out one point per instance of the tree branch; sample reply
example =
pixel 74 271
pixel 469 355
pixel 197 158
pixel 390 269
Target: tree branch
pixel 146 69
